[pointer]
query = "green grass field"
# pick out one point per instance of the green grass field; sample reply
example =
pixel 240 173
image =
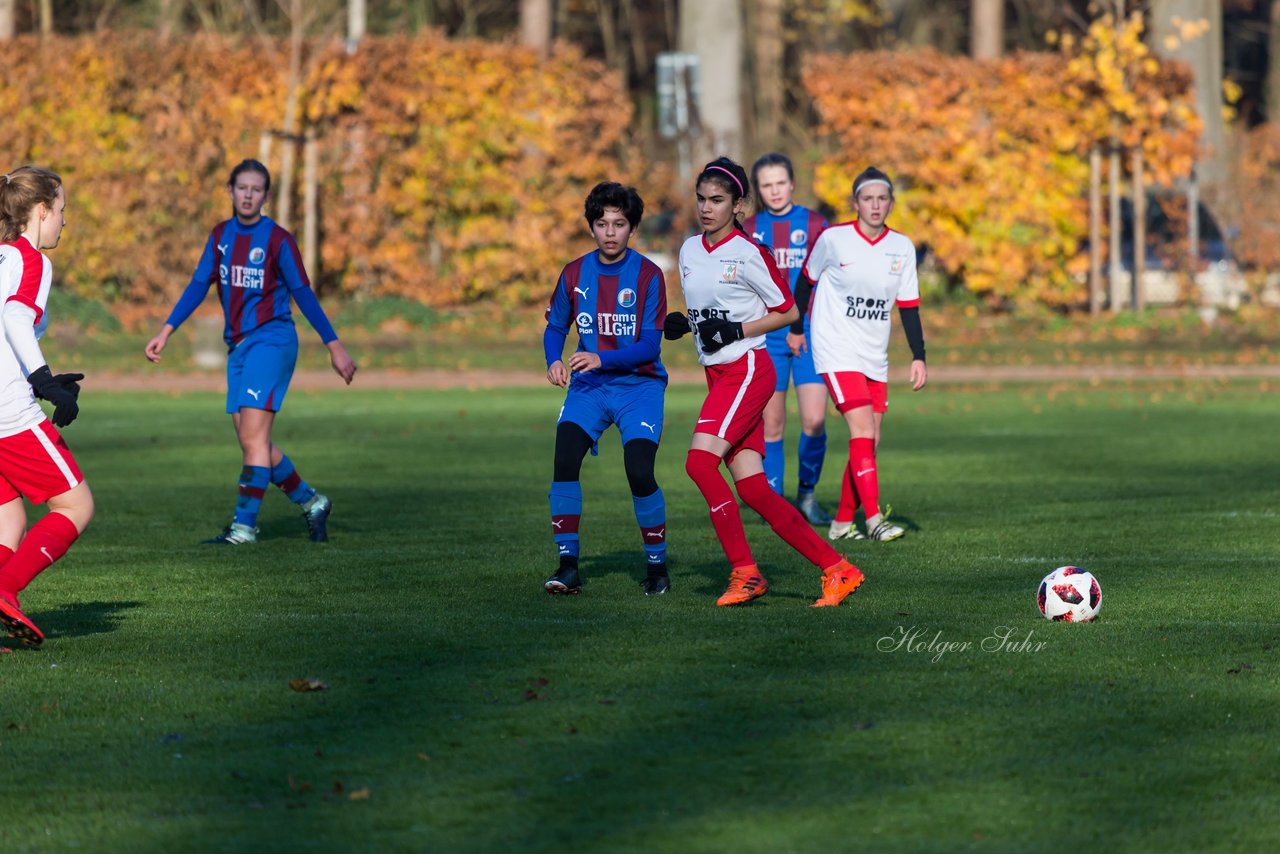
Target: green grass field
pixel 467 710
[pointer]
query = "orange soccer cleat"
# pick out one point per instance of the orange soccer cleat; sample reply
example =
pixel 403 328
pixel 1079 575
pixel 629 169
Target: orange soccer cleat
pixel 745 583
pixel 837 583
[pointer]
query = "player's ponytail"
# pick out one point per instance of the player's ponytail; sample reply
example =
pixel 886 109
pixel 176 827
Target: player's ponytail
pixel 20 191
pixel 732 177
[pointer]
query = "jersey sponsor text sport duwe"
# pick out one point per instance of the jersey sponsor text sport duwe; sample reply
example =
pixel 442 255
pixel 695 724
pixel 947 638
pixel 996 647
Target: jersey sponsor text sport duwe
pixel 736 279
pixel 857 282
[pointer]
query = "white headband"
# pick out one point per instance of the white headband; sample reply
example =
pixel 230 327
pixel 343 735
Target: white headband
pixel 869 182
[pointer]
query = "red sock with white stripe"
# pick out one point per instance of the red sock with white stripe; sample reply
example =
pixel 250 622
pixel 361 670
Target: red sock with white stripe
pixel 703 468
pixel 848 497
pixel 862 470
pixel 47 541
pixel 786 521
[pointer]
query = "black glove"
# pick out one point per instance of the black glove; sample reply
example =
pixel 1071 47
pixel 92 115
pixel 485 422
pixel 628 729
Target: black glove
pixel 47 387
pixel 716 333
pixel 675 326
pixel 71 382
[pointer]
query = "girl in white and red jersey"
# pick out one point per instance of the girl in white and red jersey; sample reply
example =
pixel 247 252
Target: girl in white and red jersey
pixel 857 272
pixel 35 462
pixel 735 295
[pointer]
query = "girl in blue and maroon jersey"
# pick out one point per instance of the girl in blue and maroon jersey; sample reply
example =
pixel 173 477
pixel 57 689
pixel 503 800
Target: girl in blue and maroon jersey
pixel 615 299
pixel 257 268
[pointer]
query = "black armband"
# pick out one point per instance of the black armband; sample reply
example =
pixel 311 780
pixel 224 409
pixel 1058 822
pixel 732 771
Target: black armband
pixel 915 333
pixel 804 289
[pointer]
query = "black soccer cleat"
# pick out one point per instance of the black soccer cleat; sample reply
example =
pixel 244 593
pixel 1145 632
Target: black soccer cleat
pixel 656 583
pixel 565 582
pixel 234 534
pixel 318 518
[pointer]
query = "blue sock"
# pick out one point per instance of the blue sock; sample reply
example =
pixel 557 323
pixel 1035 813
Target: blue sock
pixel 253 485
pixel 651 516
pixel 775 464
pixel 284 476
pixel 813 450
pixel 566 513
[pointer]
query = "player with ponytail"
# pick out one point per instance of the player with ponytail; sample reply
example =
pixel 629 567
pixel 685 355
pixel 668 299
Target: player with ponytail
pixel 735 295
pixel 35 462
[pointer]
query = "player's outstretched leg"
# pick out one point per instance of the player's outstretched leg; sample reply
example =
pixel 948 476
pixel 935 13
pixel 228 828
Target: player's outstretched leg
pixel 315 507
pixel 745 581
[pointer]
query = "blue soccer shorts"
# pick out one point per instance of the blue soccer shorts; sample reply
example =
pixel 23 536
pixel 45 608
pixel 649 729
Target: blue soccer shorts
pixel 260 367
pixel 636 408
pixel 789 368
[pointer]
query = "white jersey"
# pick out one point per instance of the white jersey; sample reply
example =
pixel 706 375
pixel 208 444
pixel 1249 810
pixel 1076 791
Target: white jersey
pixel 856 283
pixel 25 276
pixel 736 279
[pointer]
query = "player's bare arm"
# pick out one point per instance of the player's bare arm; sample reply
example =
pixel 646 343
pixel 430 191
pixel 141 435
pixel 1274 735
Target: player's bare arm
pixel 797 343
pixel 157 344
pixel 919 374
pixel 558 374
pixel 771 321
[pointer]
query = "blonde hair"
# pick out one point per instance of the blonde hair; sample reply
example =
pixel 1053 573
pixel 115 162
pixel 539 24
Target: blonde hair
pixel 20 191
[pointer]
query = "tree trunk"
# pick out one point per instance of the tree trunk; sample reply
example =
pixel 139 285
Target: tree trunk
pixel 166 17
pixel 1095 231
pixel 535 25
pixel 768 29
pixel 310 202
pixel 1139 232
pixel 46 17
pixel 7 19
pixel 1273 65
pixel 986 29
pixel 712 30
pixel 1117 228
pixel 284 197
pixel 357 21
pixel 1204 56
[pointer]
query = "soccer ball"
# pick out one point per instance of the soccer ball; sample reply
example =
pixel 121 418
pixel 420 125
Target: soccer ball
pixel 1069 594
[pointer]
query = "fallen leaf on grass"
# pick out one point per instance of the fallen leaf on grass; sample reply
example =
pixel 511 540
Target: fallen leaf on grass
pixel 360 795
pixel 302 686
pixel 1240 667
pixel 424 757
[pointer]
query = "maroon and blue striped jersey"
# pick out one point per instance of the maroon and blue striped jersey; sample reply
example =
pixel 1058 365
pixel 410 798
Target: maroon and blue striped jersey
pixel 257 268
pixel 790 236
pixel 617 310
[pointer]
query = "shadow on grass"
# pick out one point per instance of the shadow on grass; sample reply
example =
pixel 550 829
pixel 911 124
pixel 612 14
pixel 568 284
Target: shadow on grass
pixel 80 619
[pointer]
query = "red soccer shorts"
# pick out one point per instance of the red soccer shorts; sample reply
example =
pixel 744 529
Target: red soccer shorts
pixel 736 397
pixel 850 390
pixel 36 464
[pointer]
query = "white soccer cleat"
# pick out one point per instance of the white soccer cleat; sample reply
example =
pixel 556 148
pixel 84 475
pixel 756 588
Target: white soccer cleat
pixel 844 531
pixel 880 528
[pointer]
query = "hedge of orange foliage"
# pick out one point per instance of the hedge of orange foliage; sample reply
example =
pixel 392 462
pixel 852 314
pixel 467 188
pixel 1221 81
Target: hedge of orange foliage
pixel 991 157
pixel 451 170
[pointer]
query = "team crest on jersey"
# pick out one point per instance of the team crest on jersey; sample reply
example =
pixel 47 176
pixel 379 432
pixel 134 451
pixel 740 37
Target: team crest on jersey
pixel 896 266
pixel 256 254
pixel 584 323
pixel 223 272
pixel 626 297
pixel 730 273
pixel 799 237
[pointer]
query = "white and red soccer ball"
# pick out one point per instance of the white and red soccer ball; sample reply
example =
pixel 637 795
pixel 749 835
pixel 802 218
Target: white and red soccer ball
pixel 1069 594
